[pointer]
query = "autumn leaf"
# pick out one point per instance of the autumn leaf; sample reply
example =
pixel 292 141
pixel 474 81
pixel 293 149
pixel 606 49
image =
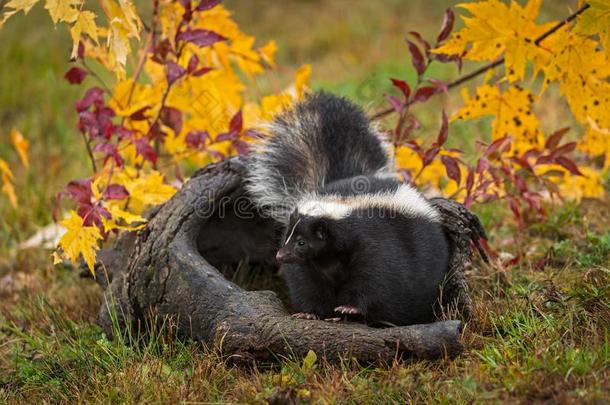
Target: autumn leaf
pixel 85 23
pixel 7 185
pixel 495 29
pixel 63 10
pixel 596 21
pixel 301 82
pixel 79 240
pixel 16 6
pixel 21 146
pixel 512 112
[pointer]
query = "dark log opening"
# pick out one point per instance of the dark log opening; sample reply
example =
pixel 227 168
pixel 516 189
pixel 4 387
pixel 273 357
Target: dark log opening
pixel 171 269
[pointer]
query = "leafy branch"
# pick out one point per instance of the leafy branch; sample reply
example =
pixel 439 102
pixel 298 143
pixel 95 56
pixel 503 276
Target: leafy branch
pixel 465 78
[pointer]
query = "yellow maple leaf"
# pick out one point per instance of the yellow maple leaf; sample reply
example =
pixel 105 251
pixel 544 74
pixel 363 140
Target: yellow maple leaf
pixel 512 111
pixel 268 52
pixel 596 21
pixel 248 60
pixel 16 6
pixel 21 145
pixel 596 142
pixel 79 240
pixel 124 24
pixel 63 10
pixel 145 188
pixel 85 23
pixel 301 81
pixel 496 29
pixel 121 219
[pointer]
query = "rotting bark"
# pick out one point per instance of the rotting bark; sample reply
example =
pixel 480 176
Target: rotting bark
pixel 167 270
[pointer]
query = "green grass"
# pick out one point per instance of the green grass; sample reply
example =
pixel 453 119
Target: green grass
pixel 540 331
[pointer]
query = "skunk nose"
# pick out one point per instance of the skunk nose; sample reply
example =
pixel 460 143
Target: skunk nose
pixel 284 257
pixel 280 256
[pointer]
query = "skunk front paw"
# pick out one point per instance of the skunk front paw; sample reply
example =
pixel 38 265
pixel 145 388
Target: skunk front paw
pixel 305 315
pixel 347 310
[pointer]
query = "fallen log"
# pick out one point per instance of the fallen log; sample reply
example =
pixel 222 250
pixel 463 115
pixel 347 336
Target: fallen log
pixel 170 269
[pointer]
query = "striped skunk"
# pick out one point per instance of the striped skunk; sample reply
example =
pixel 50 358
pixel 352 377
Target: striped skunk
pixel 357 243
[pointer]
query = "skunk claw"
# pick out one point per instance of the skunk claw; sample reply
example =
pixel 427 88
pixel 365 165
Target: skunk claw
pixel 305 315
pixel 332 319
pixel 347 310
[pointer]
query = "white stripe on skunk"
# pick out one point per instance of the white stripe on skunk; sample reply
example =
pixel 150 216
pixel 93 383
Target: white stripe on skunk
pixel 405 200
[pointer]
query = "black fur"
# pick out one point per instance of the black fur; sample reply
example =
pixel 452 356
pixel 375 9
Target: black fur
pixel 320 140
pixel 390 267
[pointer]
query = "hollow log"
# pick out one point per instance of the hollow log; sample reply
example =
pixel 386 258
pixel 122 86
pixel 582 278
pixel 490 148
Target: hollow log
pixel 170 269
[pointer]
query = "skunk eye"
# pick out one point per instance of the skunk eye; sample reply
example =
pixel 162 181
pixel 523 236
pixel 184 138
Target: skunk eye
pixel 301 243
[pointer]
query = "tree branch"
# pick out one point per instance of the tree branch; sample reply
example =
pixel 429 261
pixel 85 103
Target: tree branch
pixel 496 63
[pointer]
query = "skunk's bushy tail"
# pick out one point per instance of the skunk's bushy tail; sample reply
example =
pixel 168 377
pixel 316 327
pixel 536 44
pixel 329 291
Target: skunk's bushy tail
pixel 322 139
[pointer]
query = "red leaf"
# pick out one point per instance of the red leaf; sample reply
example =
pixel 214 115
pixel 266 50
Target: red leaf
pixel 226 136
pixel 497 145
pixel 565 149
pixel 250 133
pixel 139 114
pixel 396 104
pixel 94 95
pixel 207 4
pixel 447 26
pixel 520 183
pixel 174 72
pixel 542 160
pixel 193 62
pixel 144 149
pixel 482 165
pixel 431 154
pixel 555 138
pixel 421 40
pixel 514 207
pixel 81 50
pixel 424 93
pixel 172 117
pixel 469 180
pixel 200 37
pixel 80 191
pixel 196 139
pixel 242 148
pixel 202 71
pixel 115 192
pixel 110 152
pixel 403 86
pixel 237 122
pixel 417 58
pixel 163 48
pixel 569 165
pixel 442 135
pixel 522 162
pixel 440 85
pixel 92 215
pixel 452 168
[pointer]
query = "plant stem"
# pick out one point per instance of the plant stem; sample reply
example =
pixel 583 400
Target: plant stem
pixel 496 63
pixel 89 151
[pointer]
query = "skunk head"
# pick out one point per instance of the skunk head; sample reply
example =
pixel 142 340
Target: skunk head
pixel 308 238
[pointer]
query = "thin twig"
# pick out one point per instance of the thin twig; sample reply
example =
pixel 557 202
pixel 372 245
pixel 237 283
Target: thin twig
pixel 89 151
pixel 142 61
pixel 96 76
pixel 496 63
